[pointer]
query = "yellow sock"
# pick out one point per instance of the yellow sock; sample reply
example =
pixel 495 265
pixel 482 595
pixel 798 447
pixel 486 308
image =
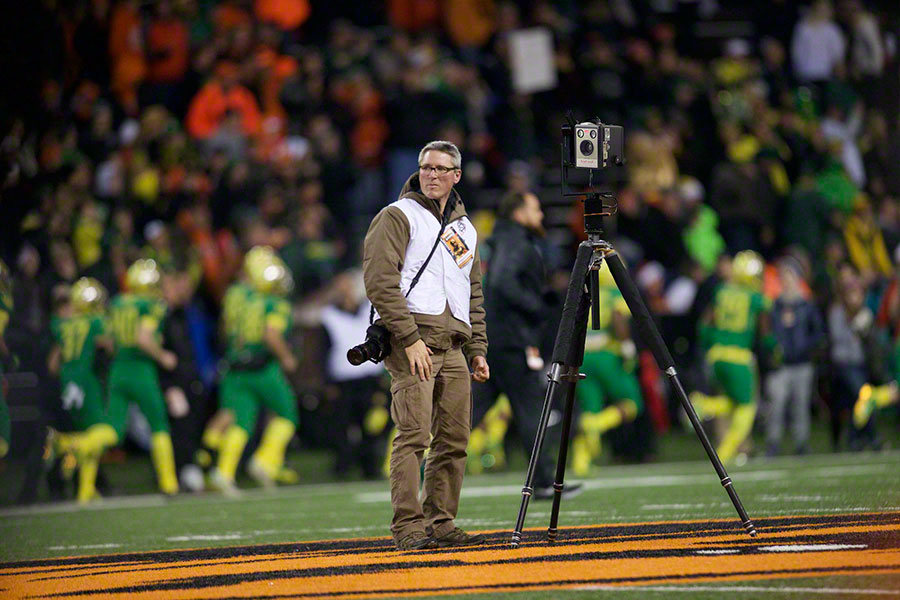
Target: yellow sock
pixel 97 438
pixel 885 395
pixel 91 445
pixel 87 478
pixel 581 455
pixel 163 456
pixel 496 421
pixel 230 451
pixel 276 436
pixel 601 422
pixel 738 431
pixel 864 406
pixel 710 406
pixel 386 467
pixel 67 442
pixel 4 447
pixel 376 419
pixel 212 438
pixel 477 442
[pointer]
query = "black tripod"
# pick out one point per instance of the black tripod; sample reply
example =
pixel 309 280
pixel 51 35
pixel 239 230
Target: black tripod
pixel 568 355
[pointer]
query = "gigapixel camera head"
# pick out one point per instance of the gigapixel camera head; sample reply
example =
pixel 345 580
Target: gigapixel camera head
pixel 596 146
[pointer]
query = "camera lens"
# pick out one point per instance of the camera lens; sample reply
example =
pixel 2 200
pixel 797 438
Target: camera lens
pixel 586 147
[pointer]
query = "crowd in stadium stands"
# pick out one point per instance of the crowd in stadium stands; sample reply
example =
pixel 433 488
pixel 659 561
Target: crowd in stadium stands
pixel 189 131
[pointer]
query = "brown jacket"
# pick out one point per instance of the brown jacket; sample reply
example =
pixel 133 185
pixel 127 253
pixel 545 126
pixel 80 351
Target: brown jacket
pixel 383 256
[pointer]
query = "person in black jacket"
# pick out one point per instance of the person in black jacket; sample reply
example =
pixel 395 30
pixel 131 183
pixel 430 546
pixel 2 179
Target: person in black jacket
pixel 514 303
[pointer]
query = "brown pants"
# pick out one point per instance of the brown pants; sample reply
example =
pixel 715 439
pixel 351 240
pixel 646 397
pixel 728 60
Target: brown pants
pixel 440 408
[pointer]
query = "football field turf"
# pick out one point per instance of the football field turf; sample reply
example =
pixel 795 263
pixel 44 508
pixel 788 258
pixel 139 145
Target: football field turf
pixel 829 528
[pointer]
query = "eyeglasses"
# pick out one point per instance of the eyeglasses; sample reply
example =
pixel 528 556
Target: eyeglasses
pixel 438 169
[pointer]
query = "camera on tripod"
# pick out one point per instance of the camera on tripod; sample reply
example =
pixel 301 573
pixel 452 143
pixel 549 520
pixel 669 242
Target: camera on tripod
pixel 592 146
pixel 595 145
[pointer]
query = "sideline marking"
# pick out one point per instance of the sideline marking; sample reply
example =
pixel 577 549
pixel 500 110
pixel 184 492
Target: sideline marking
pixel 741 588
pixel 636 556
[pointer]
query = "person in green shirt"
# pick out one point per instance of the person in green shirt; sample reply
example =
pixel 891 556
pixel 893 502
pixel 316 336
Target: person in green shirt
pixel 609 395
pixel 256 318
pixel 6 306
pixel 728 331
pixel 135 319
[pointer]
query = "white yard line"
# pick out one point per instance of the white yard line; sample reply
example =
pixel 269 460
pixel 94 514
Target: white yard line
pixel 659 481
pixel 85 547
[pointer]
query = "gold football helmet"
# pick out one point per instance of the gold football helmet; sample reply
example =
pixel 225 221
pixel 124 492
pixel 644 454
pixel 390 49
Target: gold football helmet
pixel 266 272
pixel 88 296
pixel 143 277
pixel 747 269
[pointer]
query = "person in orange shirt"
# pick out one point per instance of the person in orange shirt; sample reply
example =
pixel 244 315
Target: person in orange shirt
pixel 168 46
pixel 126 54
pixel 222 95
pixel 284 14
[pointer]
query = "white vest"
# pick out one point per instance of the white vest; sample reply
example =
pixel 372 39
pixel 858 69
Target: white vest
pixel 446 278
pixel 346 330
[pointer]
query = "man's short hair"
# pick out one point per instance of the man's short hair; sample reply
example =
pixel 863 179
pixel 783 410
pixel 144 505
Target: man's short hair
pixel 509 203
pixel 448 148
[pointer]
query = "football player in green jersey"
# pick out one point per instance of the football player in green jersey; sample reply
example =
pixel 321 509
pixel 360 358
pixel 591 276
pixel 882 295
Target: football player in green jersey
pixel 77 329
pixel 610 395
pixel 6 306
pixel 728 331
pixel 256 320
pixel 136 322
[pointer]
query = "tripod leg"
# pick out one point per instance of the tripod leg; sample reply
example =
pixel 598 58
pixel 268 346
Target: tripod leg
pixel 651 337
pixel 528 490
pixel 565 351
pixel 558 486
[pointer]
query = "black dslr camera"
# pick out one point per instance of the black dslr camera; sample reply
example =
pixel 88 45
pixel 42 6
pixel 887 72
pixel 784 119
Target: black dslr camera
pixel 376 348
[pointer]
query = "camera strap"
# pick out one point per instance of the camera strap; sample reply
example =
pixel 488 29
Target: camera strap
pixel 451 202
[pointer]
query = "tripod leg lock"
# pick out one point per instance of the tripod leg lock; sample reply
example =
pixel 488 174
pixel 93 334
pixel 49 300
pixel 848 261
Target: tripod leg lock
pixel 527 491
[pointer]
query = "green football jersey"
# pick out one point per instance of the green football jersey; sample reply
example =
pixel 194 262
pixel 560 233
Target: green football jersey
pixel 736 312
pixel 129 312
pixel 76 339
pixel 610 300
pixel 246 315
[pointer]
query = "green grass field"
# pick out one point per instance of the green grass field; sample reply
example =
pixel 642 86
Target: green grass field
pixel 814 485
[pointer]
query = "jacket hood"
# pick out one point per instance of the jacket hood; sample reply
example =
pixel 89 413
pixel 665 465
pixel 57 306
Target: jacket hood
pixel 413 189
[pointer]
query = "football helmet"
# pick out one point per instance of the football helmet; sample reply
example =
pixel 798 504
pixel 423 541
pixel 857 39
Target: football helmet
pixel 88 296
pixel 143 277
pixel 747 269
pixel 266 272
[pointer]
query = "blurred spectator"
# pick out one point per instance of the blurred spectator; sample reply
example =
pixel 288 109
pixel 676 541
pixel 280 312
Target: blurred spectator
pixel 849 330
pixel 865 243
pixel 799 331
pixel 818 45
pixel 223 104
pixel 126 52
pixel 359 401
